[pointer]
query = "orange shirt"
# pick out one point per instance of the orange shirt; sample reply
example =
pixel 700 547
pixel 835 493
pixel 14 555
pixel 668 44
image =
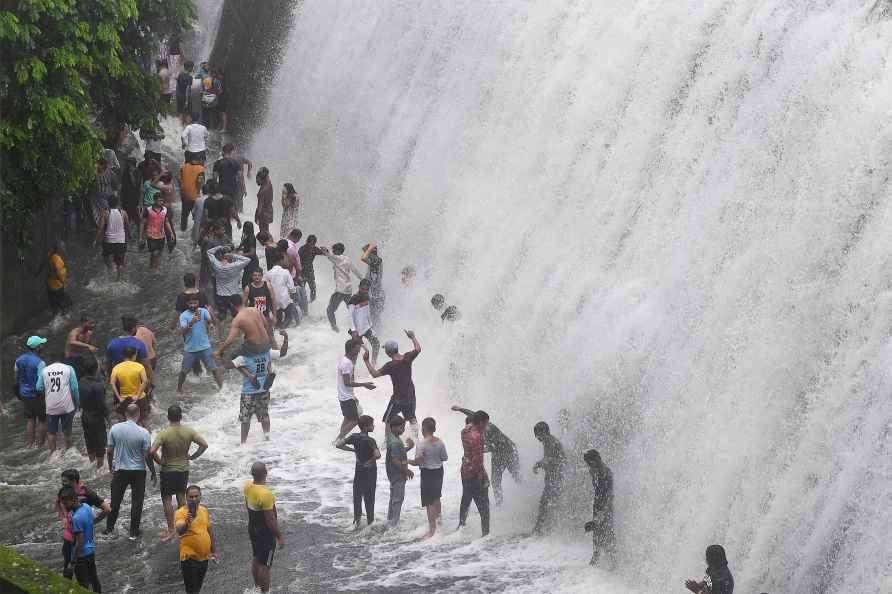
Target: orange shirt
pixel 189 181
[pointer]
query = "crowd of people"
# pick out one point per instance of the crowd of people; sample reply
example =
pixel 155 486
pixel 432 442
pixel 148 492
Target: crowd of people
pixel 234 301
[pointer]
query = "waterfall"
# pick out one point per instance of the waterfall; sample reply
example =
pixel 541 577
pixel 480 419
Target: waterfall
pixel 668 218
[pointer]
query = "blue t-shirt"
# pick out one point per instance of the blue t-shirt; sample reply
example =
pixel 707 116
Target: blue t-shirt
pixel 27 370
pixel 115 349
pixel 197 339
pixel 82 522
pixel 130 442
pixel 260 365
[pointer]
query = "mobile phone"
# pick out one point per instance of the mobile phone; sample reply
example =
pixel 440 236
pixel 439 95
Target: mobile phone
pixel 268 382
pixel 193 506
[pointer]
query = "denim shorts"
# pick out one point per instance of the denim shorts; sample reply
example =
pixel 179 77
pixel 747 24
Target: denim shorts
pixel 52 422
pixel 206 356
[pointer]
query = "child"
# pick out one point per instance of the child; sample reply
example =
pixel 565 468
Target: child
pixel 397 468
pixel 430 455
pixel 366 476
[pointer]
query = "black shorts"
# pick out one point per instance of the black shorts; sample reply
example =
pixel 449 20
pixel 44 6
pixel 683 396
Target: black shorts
pixel 182 104
pixel 264 550
pixel 143 403
pixel 227 303
pixel 155 245
pixel 173 483
pixel 116 251
pixel 94 436
pixel 193 574
pixel 350 409
pixel 35 408
pixel 59 300
pixel 394 408
pixel 431 485
pixel 200 156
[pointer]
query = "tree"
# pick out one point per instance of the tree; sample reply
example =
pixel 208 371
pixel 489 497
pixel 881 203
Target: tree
pixel 72 70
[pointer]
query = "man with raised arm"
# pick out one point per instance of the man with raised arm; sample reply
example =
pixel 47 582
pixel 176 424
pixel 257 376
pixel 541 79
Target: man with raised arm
pixel 503 450
pixel 399 368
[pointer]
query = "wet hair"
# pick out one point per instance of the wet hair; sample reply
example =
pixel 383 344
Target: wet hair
pixel 397 421
pixel 365 422
pixel 72 474
pixel 311 239
pixel 282 246
pixel 247 234
pixel 481 416
pixel 67 493
pixel 262 175
pixel 112 201
pixel 132 411
pixel 289 189
pixel 438 301
pixel 351 344
pixel 129 324
pixel 295 234
pixel 541 427
pixel 429 425
pixel 189 65
pixel 174 413
pixel 210 187
pixel 129 352
pixel 337 249
pixel 715 556
pixel 592 456
pixel 365 283
pixel 228 148
pixel 193 488
pixel 264 236
pixel 193 297
pixel 85 317
pixel 89 366
pixel 366 246
pixel 189 279
pixel 258 471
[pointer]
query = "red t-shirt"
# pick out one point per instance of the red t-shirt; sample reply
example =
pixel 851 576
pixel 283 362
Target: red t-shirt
pixel 472 462
pixel 400 373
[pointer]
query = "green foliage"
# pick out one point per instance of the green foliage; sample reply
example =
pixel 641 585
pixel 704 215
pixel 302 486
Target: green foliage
pixel 72 70
pixel 20 574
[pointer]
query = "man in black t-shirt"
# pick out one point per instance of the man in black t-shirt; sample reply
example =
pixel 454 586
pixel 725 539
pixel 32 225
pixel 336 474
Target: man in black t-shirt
pixel 366 476
pixel 94 415
pixel 399 368
pixel 227 172
pixel 307 252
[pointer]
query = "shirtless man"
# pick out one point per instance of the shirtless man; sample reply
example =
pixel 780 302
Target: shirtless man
pixel 250 323
pixel 79 339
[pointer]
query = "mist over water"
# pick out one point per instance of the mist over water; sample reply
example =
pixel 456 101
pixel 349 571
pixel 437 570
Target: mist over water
pixel 669 218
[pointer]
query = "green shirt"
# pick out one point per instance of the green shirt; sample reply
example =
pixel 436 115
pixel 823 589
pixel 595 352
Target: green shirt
pixel 175 442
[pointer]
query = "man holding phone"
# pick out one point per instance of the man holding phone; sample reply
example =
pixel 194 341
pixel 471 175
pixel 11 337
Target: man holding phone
pixel 197 544
pixel 194 326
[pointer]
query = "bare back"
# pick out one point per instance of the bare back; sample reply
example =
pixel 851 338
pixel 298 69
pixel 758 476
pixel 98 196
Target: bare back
pixel 251 324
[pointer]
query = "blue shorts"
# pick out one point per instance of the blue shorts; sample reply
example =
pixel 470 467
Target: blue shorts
pixel 52 422
pixel 206 356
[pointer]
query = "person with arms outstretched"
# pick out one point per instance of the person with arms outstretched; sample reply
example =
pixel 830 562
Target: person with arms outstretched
pixel 399 368
pixel 346 398
pixel 504 454
pixel 474 482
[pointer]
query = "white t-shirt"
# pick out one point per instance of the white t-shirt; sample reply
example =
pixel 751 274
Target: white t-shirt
pixel 58 381
pixel 345 367
pixel 282 283
pixel 194 138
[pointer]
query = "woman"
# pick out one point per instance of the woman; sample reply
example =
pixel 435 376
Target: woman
pixel 718 578
pixel 248 248
pixel 263 216
pixel 290 208
pixel 430 453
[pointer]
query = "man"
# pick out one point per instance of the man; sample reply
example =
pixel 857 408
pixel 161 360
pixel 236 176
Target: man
pixel 174 443
pixel 194 140
pixel 227 171
pixel 601 526
pixel 375 276
pixel 71 479
pixel 263 214
pixel 397 465
pixel 181 305
pixel 57 276
pixel 307 253
pixel 365 476
pixel 251 325
pixel 220 209
pixel 474 482
pixel 147 337
pixel 504 454
pixel 552 463
pixel 228 268
pixel 259 374
pixel 450 312
pixel 113 226
pixel 78 343
pixel 154 229
pixel 164 74
pixel 194 327
pixel 191 182
pixel 94 412
pixel 84 551
pixel 215 236
pixel 342 268
pixel 58 382
pixel 199 226
pixel 128 380
pixel 184 85
pixel 399 368
pixel 295 267
pixel 197 543
pixel 360 319
pixel 128 454
pixel 28 370
pixel 259 295
pixel 348 402
pixel 114 352
pixel 282 284
pixel 263 526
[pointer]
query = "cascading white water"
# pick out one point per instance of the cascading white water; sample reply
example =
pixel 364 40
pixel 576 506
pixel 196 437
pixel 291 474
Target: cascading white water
pixel 669 218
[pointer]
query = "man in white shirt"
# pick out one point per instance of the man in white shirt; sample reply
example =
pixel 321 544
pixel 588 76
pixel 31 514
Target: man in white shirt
pixel 360 318
pixel 59 384
pixel 194 141
pixel 283 287
pixel 349 404
pixel 343 267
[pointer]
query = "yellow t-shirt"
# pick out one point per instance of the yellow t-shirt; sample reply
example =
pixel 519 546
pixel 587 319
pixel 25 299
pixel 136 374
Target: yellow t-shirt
pixel 196 543
pixel 57 264
pixel 258 499
pixel 127 374
pixel 189 173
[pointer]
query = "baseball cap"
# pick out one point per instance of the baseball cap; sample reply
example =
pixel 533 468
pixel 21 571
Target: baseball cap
pixel 35 341
pixel 391 346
